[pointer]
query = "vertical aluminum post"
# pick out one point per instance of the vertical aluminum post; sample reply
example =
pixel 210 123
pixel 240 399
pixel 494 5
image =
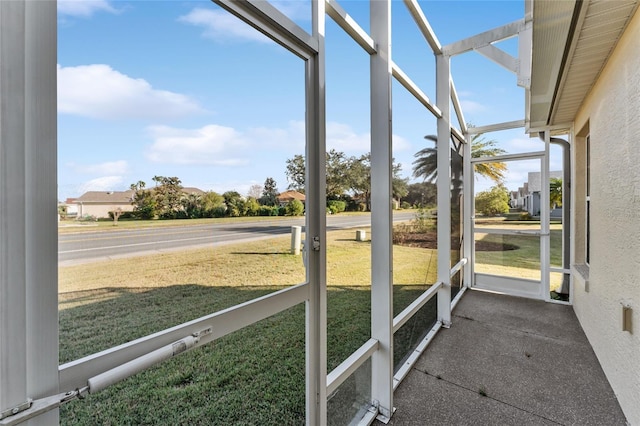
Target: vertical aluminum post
pixel 315 238
pixel 467 209
pixel 443 93
pixel 13 322
pixel 545 217
pixel 381 213
pixel 28 202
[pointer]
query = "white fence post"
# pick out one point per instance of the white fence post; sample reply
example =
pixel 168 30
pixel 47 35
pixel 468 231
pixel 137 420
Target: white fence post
pixel 296 239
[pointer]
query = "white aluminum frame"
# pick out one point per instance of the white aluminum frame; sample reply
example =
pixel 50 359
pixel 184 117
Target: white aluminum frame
pixel 496 127
pixel 350 26
pixel 485 38
pixel 75 374
pixel 408 312
pixel 443 100
pixel 28 363
pixel 468 209
pixel 381 211
pixel 408 84
pixel 28 205
pixel 267 19
pixel 424 26
pixel 514 286
pixel 316 307
pixel 545 218
pixel 350 365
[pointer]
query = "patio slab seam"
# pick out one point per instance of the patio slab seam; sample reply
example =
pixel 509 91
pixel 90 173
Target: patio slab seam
pixel 478 391
pixel 519 330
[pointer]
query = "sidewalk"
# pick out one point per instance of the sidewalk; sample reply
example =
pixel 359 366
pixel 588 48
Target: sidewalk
pixel 507 361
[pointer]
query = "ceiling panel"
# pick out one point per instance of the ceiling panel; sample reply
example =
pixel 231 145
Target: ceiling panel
pixel 599 25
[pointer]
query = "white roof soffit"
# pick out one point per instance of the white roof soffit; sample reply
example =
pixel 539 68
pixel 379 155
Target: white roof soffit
pixel 572 41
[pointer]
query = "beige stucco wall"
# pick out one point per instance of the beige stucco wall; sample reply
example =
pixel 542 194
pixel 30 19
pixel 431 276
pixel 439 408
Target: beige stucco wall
pixel 612 114
pixel 101 210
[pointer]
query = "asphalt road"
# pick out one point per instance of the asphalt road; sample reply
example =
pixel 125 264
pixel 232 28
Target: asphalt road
pixel 74 248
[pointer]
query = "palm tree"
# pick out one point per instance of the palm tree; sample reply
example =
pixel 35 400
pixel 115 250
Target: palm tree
pixel 426 163
pixel 555 192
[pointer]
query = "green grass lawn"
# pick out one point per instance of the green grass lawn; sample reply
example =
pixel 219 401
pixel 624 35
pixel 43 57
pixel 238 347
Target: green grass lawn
pixel 523 262
pixel 254 376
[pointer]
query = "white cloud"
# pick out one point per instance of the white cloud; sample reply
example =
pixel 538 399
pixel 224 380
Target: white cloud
pixel 342 137
pixel 105 183
pixel 119 167
pixel 290 138
pixel 464 93
pixel 471 106
pixel 523 145
pixel 84 8
pixel 99 91
pixel 222 26
pixel 294 9
pixel 211 144
pixel 225 146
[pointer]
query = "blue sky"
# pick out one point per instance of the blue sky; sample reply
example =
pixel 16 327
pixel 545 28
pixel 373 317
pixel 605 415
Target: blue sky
pixel 181 88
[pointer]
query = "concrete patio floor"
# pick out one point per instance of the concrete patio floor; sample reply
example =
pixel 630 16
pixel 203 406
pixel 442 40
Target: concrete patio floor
pixel 507 361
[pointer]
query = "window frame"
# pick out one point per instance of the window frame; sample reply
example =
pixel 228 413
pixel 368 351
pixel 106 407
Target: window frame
pixel 587 177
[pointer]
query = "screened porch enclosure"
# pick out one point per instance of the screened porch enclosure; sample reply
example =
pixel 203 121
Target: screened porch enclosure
pixel 360 388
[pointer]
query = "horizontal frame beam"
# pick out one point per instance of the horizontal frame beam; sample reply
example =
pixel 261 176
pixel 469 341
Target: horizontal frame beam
pixel 458 266
pixel 424 26
pixel 458 108
pixel 456 299
pixel 415 306
pixel 408 364
pixel 267 19
pixel 350 365
pixel 499 56
pixel 350 26
pixel 75 374
pixel 413 88
pixel 484 39
pixel 506 231
pixel 509 157
pixel 458 135
pixel 560 128
pixel 507 125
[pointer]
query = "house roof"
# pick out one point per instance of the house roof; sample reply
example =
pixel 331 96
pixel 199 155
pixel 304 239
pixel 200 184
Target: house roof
pixel 105 197
pixel 572 41
pixel 110 197
pixel 291 195
pixel 193 190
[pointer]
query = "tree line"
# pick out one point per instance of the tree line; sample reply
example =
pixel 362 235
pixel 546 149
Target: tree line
pixel 347 178
pixel 168 200
pixel 348 187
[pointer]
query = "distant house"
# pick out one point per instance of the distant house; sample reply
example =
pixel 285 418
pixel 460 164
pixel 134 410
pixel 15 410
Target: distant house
pixel 67 209
pixel 519 199
pixel 100 203
pixel 528 195
pixel 72 207
pixel 285 197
